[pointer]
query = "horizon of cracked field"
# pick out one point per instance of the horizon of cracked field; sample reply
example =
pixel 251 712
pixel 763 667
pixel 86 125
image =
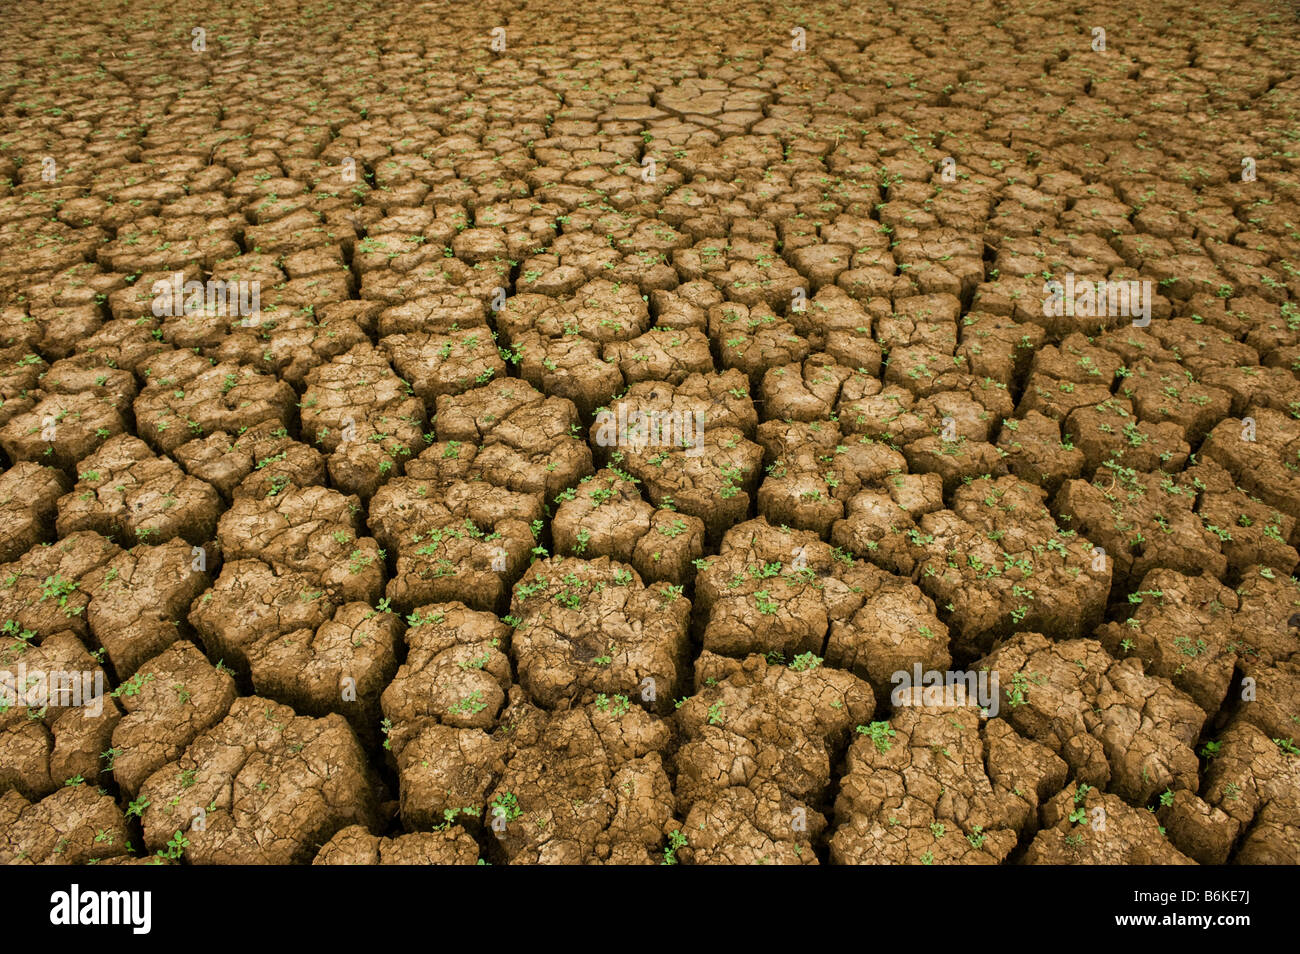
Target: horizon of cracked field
pixel 726 433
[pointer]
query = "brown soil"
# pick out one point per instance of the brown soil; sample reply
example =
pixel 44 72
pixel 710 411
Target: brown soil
pixel 628 415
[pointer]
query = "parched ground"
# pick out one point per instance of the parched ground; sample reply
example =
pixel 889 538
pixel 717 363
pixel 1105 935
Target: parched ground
pixel 632 394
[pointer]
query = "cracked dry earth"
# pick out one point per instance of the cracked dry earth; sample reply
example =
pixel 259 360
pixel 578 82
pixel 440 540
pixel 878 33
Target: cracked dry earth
pixel 369 576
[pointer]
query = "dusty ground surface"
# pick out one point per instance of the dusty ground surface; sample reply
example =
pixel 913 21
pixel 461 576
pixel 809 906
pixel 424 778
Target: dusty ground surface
pixel 387 571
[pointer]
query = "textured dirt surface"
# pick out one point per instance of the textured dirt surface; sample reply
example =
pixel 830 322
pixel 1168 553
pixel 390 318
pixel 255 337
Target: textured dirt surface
pixel 636 436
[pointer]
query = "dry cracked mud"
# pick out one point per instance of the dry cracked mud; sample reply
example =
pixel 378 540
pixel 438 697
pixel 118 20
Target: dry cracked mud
pixel 522 433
